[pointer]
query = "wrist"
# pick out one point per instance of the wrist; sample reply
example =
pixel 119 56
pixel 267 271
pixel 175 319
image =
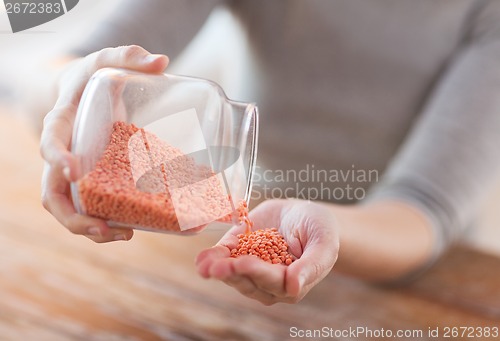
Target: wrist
pixel 382 241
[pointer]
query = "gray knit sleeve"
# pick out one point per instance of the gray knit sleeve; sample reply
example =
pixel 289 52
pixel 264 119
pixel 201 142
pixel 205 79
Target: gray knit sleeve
pixel 157 25
pixel 452 155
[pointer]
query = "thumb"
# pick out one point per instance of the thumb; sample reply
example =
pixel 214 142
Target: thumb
pixel 129 57
pixel 307 271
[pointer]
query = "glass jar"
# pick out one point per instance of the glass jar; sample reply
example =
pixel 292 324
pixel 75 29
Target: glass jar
pixel 162 152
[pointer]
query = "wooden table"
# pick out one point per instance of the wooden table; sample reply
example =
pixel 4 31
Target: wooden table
pixel 57 286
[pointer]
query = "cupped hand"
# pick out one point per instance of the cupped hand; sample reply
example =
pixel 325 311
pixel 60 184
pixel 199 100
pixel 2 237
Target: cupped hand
pixel 60 165
pixel 311 232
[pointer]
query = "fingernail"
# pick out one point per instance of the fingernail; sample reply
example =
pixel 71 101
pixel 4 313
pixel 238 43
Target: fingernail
pixel 120 237
pixel 95 231
pixel 67 173
pixel 151 58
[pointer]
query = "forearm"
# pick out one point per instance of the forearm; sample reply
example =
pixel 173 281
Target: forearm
pixel 382 241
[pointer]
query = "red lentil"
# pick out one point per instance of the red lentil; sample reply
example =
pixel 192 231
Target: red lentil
pixel 269 245
pixel 243 217
pixel 141 181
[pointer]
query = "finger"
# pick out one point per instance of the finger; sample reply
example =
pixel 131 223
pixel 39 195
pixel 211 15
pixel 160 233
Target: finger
pixel 316 262
pixel 267 277
pixel 313 241
pixel 93 228
pixel 55 199
pixel 127 57
pixel 130 57
pixel 216 263
pixel 225 270
pixel 207 257
pixel 247 287
pixel 221 250
pixel 55 142
pixel 114 235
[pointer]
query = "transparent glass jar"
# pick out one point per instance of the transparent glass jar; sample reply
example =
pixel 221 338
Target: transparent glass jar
pixel 162 152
